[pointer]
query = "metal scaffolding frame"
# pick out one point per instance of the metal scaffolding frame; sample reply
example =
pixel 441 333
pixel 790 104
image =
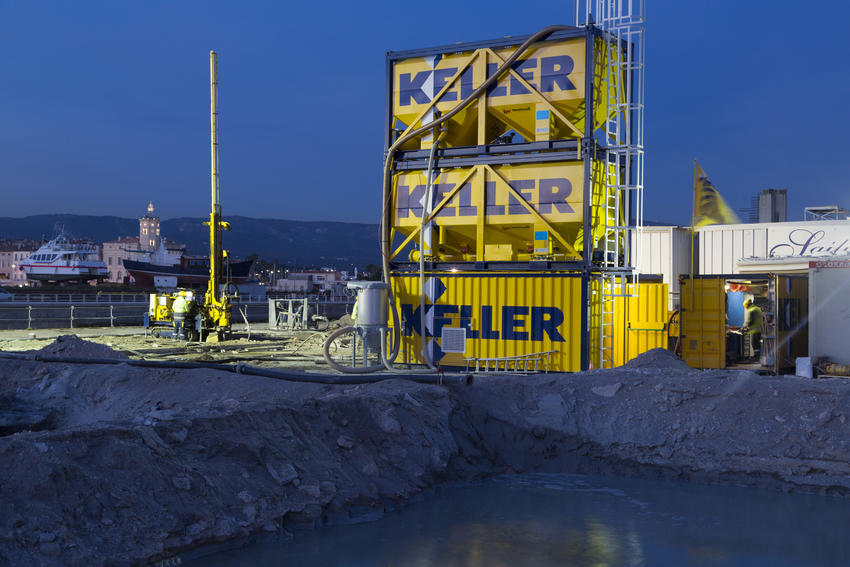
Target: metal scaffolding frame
pixel 622 23
pixel 614 32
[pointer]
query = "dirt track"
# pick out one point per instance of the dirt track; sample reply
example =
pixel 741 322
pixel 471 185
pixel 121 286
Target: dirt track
pixel 132 465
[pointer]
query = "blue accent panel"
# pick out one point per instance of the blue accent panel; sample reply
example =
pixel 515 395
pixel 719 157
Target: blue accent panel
pixel 541 235
pixel 542 114
pixel 439 290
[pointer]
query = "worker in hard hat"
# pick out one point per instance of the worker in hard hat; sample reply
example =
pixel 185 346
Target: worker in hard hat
pixel 752 326
pixel 179 310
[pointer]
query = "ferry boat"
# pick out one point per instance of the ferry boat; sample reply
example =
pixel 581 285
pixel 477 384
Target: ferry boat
pixel 63 260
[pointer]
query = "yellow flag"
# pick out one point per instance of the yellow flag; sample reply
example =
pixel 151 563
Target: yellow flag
pixel 709 206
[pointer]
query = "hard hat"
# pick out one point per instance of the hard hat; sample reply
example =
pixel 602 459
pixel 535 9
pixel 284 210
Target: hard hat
pixel 748 302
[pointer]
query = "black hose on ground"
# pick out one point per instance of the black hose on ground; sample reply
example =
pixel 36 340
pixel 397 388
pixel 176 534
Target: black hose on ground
pixel 288 375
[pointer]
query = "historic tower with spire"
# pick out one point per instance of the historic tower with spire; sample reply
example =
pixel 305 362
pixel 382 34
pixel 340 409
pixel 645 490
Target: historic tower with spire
pixel 149 238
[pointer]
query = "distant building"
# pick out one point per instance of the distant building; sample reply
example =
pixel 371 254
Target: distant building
pixel 114 252
pixel 149 246
pixel 149 238
pixel 11 254
pixel 310 281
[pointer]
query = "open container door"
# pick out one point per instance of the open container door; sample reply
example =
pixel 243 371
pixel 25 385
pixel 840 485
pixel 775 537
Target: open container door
pixel 703 322
pixel 786 334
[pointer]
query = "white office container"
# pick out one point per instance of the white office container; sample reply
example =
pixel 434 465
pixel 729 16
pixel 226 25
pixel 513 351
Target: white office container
pixel 779 247
pixel 829 310
pixel 664 250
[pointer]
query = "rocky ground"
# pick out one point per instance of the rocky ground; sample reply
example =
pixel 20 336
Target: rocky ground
pixel 121 465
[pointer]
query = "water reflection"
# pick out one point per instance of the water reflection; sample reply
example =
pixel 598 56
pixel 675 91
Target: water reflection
pixel 572 520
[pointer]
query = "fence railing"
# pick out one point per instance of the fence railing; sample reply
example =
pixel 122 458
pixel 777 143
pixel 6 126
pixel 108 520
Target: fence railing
pixel 51 315
pixel 102 298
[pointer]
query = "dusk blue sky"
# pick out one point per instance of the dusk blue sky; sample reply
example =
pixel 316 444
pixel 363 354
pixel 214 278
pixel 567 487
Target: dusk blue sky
pixel 105 105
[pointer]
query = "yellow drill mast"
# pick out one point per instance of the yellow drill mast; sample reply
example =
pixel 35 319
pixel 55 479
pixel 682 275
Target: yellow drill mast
pixel 217 306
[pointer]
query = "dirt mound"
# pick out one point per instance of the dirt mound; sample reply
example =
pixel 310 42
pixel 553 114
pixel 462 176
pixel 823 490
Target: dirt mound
pixel 72 346
pixel 658 358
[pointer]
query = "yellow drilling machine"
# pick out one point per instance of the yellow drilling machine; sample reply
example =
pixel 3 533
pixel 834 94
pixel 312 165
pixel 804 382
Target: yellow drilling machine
pixel 177 314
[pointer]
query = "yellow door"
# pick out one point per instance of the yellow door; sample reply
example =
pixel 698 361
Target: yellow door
pixel 703 322
pixel 789 326
pixel 640 321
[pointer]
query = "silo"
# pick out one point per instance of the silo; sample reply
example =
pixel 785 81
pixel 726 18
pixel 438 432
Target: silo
pixel 494 176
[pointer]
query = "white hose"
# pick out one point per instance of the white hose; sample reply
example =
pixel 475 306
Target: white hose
pixel 426 208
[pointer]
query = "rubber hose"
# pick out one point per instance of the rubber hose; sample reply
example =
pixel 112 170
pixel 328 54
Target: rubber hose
pixel 389 366
pixel 338 367
pixel 388 162
pixel 288 375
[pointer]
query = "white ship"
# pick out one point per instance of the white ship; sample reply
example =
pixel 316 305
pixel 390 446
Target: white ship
pixel 61 260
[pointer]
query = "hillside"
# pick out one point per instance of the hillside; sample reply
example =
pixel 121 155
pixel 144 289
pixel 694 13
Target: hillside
pixel 338 244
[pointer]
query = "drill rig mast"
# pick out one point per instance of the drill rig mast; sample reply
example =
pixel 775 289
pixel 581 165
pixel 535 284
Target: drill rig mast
pixel 217 306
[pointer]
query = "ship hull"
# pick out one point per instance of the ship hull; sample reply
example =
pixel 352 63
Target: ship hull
pixel 192 276
pixel 65 277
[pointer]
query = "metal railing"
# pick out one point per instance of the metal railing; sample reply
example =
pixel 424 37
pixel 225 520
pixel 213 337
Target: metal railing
pixel 51 315
pixel 104 298
pixel 107 298
pixel 70 316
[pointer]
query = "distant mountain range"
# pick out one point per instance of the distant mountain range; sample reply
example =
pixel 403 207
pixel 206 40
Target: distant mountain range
pixel 342 245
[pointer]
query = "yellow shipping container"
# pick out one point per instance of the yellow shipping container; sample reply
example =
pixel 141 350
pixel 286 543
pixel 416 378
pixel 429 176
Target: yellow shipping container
pixel 542 97
pixel 501 212
pixel 537 316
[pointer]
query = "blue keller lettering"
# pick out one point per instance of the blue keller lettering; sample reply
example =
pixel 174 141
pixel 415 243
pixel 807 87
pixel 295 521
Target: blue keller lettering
pixel 551 196
pixel 510 323
pixel 553 73
pixel 518 322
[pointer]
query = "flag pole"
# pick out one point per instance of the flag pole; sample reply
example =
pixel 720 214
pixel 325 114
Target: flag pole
pixel 693 215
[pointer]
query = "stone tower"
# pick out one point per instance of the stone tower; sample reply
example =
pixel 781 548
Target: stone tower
pixel 149 238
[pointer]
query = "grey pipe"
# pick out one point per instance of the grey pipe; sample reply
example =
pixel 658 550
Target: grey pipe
pixel 426 208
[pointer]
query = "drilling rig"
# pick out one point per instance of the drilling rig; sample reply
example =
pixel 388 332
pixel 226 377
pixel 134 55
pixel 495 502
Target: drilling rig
pixel 208 321
pixel 215 312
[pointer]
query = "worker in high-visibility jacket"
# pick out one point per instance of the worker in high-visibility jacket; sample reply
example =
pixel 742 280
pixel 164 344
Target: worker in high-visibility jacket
pixel 179 312
pixel 752 326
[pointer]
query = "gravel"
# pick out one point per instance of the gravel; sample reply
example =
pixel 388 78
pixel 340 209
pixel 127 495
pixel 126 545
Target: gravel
pixel 139 465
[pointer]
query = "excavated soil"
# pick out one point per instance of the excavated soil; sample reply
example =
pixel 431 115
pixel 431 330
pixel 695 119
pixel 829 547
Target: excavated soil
pixel 71 346
pixel 137 465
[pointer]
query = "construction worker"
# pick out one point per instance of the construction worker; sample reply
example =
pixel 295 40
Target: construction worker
pixel 752 327
pixel 179 310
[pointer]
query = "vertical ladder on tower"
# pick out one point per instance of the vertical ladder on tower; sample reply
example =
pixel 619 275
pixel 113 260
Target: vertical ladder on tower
pixel 622 93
